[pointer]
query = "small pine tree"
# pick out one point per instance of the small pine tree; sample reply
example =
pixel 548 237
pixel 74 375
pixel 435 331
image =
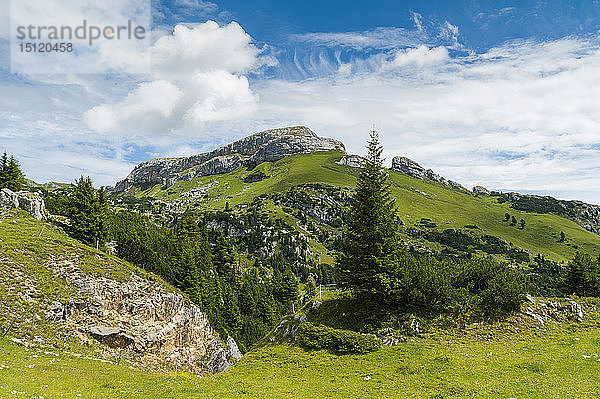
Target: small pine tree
pixel 562 236
pixel 522 223
pixel 88 212
pixel 507 216
pixel 224 259
pixel 583 276
pixel 3 170
pixel 513 221
pixel 11 176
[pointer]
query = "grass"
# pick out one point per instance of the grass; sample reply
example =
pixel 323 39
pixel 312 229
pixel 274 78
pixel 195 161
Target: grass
pixel 517 358
pixel 416 199
pixel 558 363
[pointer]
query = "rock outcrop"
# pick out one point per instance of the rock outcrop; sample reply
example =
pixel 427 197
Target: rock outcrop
pixel 154 326
pixel 482 191
pixel 30 202
pixel 354 161
pixel 411 168
pixel 267 146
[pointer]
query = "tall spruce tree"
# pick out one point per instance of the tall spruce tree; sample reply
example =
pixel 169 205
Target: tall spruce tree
pixel 370 246
pixel 224 259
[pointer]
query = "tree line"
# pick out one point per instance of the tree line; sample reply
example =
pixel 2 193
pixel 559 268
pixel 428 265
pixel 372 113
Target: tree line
pixel 11 175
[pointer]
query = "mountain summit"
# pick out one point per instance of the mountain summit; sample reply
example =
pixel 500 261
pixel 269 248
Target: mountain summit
pixel 266 146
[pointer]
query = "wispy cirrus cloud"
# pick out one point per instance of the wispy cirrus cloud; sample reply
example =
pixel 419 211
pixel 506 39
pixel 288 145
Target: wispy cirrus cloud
pixel 523 115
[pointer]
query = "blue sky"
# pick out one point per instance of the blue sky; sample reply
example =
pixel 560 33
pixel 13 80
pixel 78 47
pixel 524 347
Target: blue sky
pixel 501 94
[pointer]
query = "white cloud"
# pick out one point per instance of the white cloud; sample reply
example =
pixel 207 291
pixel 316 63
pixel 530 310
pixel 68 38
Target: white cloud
pixel 380 38
pixel 145 108
pixel 198 78
pixel 419 56
pixel 417 20
pixel 203 47
pixel 221 96
pixel 125 55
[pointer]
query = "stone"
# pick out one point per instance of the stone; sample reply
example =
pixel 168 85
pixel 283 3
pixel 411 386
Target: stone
pixel 354 161
pixel 480 190
pixel 30 202
pixel 388 337
pixel 233 349
pixel 576 311
pixel 8 199
pixel 414 328
pixel 316 305
pixel 413 169
pixel 267 146
pixel 110 336
pixel 142 315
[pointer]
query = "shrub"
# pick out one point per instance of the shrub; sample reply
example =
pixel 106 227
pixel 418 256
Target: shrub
pixel 495 288
pixel 583 276
pixel 342 341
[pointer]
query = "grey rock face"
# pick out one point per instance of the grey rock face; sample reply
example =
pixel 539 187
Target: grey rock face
pixel 221 359
pixel 354 161
pixel 113 337
pixel 411 168
pixel 30 202
pixel 480 190
pixel 8 199
pixel 267 146
pixel 142 316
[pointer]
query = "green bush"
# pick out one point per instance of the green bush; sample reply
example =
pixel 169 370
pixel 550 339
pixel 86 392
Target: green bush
pixel 342 341
pixel 495 288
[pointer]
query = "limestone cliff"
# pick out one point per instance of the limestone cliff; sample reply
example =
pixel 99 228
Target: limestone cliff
pixel 411 168
pixel 140 316
pixel 267 146
pixel 27 201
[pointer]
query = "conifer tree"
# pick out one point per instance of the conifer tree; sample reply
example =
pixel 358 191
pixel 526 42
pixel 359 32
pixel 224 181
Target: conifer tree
pixel 11 176
pixel 3 170
pixel 88 212
pixel 370 247
pixel 224 259
pixel 233 315
pixel 583 276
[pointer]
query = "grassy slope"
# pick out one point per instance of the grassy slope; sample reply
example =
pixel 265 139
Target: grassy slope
pixel 447 208
pixel 487 361
pixel 510 360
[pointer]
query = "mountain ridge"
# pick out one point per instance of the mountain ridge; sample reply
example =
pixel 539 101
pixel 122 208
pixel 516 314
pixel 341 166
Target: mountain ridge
pixel 265 146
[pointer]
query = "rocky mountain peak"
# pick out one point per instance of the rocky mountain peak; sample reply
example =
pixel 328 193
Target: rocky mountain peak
pixel 411 168
pixel 266 146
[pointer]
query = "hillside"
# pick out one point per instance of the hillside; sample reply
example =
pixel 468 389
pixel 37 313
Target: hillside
pixel 307 192
pixel 66 296
pixel 556 357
